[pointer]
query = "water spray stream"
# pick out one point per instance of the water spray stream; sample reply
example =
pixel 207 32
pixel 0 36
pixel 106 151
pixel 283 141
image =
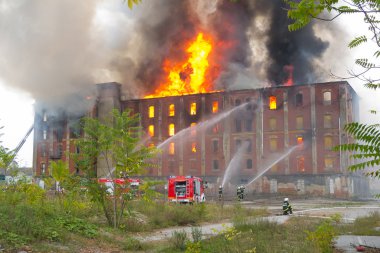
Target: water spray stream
pixel 234 162
pixel 204 124
pixel 272 164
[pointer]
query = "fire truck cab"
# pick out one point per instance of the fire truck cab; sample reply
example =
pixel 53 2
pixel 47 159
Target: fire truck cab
pixel 185 189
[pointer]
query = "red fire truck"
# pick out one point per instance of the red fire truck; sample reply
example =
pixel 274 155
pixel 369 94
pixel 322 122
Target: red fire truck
pixel 133 184
pixel 185 189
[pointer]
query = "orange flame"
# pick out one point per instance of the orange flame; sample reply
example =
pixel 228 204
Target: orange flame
pixel 289 69
pixel 187 77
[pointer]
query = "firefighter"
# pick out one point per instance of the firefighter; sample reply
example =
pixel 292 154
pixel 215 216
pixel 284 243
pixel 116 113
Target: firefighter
pixel 286 207
pixel 242 188
pixel 220 193
pixel 240 192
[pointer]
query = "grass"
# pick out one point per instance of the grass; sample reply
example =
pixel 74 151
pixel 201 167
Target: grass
pixel 32 221
pixel 362 226
pixel 260 236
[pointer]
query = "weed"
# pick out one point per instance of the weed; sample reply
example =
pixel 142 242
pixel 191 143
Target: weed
pixel 12 240
pixel 322 237
pixel 133 244
pixel 196 234
pixel 193 247
pixel 77 225
pixel 337 217
pixel 179 239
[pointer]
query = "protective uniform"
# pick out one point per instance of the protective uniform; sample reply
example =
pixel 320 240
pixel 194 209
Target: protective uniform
pixel 286 207
pixel 220 193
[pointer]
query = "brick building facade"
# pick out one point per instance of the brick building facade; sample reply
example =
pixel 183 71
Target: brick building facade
pixel 242 131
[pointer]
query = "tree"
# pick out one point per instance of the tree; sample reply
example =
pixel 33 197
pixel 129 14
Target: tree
pixel 116 143
pixel 367 146
pixel 59 172
pixel 7 159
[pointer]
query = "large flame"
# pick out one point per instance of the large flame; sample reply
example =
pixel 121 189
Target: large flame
pixel 187 77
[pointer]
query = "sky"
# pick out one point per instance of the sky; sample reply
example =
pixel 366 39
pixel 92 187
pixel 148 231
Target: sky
pixel 82 51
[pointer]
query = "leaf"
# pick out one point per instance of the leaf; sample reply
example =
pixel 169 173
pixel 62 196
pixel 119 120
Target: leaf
pixel 357 41
pixel 364 63
pixel 373 86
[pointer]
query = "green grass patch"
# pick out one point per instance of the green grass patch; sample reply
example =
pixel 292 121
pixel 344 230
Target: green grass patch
pixel 362 226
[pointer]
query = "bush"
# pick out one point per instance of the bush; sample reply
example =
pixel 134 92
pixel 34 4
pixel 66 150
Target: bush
pixel 196 234
pixel 179 239
pixel 133 244
pixel 322 237
pixel 77 225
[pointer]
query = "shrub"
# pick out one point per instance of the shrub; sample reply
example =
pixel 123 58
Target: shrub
pixel 179 239
pixel 322 237
pixel 77 225
pixel 133 244
pixel 196 234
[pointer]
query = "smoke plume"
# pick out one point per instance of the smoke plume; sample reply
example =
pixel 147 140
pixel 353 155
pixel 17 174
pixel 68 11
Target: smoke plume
pixel 58 50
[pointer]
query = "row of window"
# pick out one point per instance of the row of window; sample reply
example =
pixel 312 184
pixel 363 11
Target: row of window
pixel 272 100
pixel 193 109
pixel 248 125
pixel 300 163
pixel 272 104
pixel 273 145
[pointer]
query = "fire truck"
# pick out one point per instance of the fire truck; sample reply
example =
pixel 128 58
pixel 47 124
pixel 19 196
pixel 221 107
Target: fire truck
pixel 186 189
pixel 129 184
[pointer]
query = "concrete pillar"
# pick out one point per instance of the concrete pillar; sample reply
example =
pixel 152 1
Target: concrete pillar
pixel 286 130
pixel 203 141
pixel 180 139
pixel 313 130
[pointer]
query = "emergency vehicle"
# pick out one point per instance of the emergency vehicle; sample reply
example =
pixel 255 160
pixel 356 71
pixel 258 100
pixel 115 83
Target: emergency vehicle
pixel 185 189
pixel 129 184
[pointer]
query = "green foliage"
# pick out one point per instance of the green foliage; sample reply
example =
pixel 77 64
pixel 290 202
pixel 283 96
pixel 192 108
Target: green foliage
pixel 6 158
pixel 367 148
pixel 131 244
pixel 59 170
pixel 302 12
pixel 363 225
pixel 196 234
pixel 357 41
pixel 115 143
pixel 337 217
pixel 193 247
pixel 364 63
pixel 323 236
pixel 77 225
pixel 179 239
pixel 11 240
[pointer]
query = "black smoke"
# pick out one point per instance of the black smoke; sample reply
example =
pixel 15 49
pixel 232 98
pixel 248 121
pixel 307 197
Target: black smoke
pixel 241 26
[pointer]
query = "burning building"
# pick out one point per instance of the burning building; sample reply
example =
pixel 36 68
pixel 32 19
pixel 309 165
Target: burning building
pixel 288 132
pixel 210 119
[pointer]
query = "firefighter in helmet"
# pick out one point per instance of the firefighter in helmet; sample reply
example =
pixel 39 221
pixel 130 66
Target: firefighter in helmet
pixel 220 191
pixel 240 192
pixel 286 207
